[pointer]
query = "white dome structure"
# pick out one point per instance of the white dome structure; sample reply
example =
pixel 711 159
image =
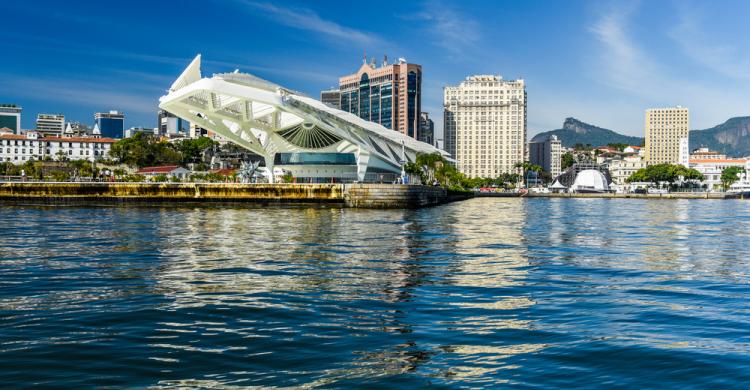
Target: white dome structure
pixel 591 181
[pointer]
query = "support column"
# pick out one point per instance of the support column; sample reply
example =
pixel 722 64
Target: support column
pixel 269 165
pixel 363 160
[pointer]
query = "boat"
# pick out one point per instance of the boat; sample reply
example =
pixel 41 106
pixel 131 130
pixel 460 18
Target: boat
pixel 739 189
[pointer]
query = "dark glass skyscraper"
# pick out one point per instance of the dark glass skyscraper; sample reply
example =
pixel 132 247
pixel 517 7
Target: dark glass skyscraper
pixel 111 124
pixel 390 95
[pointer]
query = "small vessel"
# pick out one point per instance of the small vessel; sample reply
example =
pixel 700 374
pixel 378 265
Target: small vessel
pixel 740 189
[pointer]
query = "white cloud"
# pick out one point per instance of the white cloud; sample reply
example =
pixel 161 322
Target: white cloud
pixel 625 65
pixel 722 57
pixel 309 20
pixel 130 98
pixel 448 28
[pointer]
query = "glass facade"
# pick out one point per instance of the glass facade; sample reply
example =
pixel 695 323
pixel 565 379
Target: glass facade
pixel 375 104
pixel 390 96
pixel 9 121
pixel 386 105
pixel 364 97
pixel 303 158
pixel 412 81
pixel 111 127
pixel 345 102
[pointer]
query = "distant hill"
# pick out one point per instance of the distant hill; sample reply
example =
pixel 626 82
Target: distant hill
pixel 575 132
pixel 731 137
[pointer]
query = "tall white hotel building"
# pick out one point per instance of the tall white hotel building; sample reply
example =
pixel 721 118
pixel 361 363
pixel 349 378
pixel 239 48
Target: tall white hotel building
pixel 485 125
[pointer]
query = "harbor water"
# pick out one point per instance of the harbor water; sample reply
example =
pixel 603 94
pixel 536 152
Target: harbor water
pixel 488 292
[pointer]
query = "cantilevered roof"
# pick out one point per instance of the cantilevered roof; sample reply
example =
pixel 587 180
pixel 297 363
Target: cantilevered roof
pixel 267 118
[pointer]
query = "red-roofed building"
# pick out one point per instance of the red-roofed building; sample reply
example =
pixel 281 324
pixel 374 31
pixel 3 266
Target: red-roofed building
pixel 19 148
pixel 712 167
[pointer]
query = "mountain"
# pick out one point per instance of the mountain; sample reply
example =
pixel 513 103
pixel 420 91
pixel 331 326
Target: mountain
pixel 731 137
pixel 575 132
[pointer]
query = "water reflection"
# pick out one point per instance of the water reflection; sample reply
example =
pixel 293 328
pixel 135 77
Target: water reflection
pixel 477 293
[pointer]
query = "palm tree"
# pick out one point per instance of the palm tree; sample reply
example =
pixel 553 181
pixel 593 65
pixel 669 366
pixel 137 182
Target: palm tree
pixel 526 167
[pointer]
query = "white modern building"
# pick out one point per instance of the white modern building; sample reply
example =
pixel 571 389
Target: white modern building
pixel 135 130
pixel 50 124
pixel 590 181
pixel 485 125
pixel 19 148
pixel 301 135
pixel 170 125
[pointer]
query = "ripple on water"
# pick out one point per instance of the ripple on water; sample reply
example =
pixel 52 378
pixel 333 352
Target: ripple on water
pixel 481 293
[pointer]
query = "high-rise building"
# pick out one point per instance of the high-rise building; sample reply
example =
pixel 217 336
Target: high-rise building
pixel 547 153
pixel 485 125
pixel 50 124
pixel 426 131
pixel 665 128
pixel 111 124
pixel 390 95
pixel 10 117
pixel 170 124
pixel 331 97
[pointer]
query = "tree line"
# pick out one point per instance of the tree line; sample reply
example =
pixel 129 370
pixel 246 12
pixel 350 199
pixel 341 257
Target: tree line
pixel 143 150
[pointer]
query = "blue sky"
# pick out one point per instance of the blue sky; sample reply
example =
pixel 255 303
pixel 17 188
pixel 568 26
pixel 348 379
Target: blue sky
pixel 603 62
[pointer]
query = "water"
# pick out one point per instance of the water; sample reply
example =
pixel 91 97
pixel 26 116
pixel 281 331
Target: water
pixel 483 293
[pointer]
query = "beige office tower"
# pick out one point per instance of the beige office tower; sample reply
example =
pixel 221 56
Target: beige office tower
pixel 485 125
pixel 665 129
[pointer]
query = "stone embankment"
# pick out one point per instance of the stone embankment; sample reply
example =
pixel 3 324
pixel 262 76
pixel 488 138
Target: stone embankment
pixel 344 195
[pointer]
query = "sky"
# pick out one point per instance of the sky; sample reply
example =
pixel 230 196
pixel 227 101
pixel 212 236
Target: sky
pixel 603 62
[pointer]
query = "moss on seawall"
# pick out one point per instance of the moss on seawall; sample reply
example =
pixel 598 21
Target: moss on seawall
pixel 347 195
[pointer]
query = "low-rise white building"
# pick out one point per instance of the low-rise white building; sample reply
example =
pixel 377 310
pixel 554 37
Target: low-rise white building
pixel 621 168
pixel 711 168
pixel 18 149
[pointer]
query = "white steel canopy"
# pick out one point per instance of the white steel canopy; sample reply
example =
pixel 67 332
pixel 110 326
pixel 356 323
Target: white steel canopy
pixel 268 120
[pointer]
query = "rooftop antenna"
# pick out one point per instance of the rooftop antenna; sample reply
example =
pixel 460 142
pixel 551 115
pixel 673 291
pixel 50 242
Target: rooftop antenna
pixel 364 56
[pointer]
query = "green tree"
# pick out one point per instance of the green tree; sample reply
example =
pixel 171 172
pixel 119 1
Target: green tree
pixel 660 173
pixel 691 174
pixel 568 159
pixel 192 149
pixel 528 167
pixel 730 175
pixel 143 149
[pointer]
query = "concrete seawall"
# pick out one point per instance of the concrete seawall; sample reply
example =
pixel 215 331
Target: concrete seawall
pixel 393 196
pixel 344 195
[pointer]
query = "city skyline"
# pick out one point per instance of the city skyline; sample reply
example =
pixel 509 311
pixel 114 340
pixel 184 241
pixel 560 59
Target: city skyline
pixel 604 63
